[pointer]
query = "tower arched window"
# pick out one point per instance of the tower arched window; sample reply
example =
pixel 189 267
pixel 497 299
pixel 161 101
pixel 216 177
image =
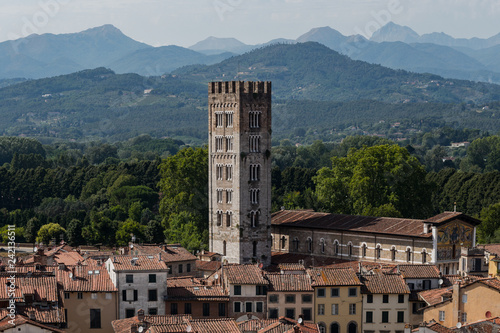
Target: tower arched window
pixel 254 119
pixel 224 244
pixel 254 172
pixel 424 256
pixel 336 247
pixel 229 216
pixel 408 254
pixel 322 245
pixel 219 218
pixel 309 244
pixel 254 249
pixel 364 247
pixel 254 219
pixel 393 253
pixel 378 251
pixel 254 196
pixel 349 249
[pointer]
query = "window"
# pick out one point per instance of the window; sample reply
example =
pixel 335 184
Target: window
pixel 393 254
pixel 180 268
pixel 222 309
pixel 124 295
pixel 152 278
pixel 369 298
pixel 254 219
pixel 363 250
pixel 79 295
pixel 219 171
pixel 224 245
pixel 229 143
pixel 229 172
pixel 109 296
pixel 229 195
pixel 237 290
pixel 260 290
pixel 248 306
pixel 273 298
pixel 335 309
pixel 254 172
pixel 322 245
pixel 295 244
pixel 369 317
pixel 129 278
pixel 309 244
pixel 254 196
pixel 307 298
pixel 254 119
pixel 169 269
pixel 307 313
pixel 219 216
pixel 187 308
pixel 378 252
pixel 401 298
pixel 321 309
pixel 206 309
pixel 237 306
pixel 349 249
pixel 273 313
pixel 219 117
pixel 229 119
pixel 336 247
pixel 219 195
pixel 401 316
pixel 66 295
pixel 353 292
pixel 152 311
pixel 464 317
pixel 152 295
pixel 290 299
pixel 136 295
pixel 385 298
pixel 464 298
pixel 95 318
pixel 229 216
pixel 93 295
pixel 188 268
pixel 427 284
pixel 219 142
pixel 441 315
pixel 321 292
pixel 322 327
pixel 254 143
pixel 424 257
pixel 352 308
pixel 129 313
pixel 385 316
pixel 283 242
pixel 335 292
pixel 174 309
pixel 290 313
pixel 408 255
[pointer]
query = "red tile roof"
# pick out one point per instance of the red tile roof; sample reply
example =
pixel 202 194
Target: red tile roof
pixel 334 277
pixel 169 253
pixel 291 267
pixel 354 223
pixel 289 282
pixel 208 266
pixel 244 274
pixel 438 328
pixel 491 248
pixel 79 279
pixel 381 283
pixel 68 258
pixel 281 325
pixel 138 263
pixel 435 296
pixel 419 271
pixel 19 320
pixel 52 315
pixel 449 216
pixel 42 288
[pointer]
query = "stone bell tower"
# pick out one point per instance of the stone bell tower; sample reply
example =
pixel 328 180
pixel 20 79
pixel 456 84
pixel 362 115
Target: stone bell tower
pixel 240 170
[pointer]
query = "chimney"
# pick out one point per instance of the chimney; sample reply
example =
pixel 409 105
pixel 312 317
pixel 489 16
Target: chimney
pixel 73 273
pixel 296 329
pixel 133 328
pixel 31 315
pixel 140 315
pixel 456 300
pixel 426 228
pixel 159 257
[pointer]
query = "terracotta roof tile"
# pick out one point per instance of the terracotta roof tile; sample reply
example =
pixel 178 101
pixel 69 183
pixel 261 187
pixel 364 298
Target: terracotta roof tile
pixel 381 283
pixel 81 280
pixel 289 282
pixel 382 225
pixel 491 248
pixel 21 320
pixel 419 271
pixel 448 216
pixel 42 288
pixel 209 266
pixel 68 258
pixel 244 274
pixel 52 315
pixel 291 267
pixel 281 325
pixel 169 253
pixel 438 328
pixel 436 296
pixel 141 263
pixel 334 277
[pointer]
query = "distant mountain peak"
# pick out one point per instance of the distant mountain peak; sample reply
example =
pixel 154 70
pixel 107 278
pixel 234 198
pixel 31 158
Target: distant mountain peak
pixel 216 43
pixel 392 32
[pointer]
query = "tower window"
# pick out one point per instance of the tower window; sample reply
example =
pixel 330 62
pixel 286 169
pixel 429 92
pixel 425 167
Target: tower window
pixel 219 218
pixel 254 172
pixel 254 196
pixel 229 216
pixel 254 219
pixel 309 244
pixel 254 143
pixel 219 141
pixel 229 119
pixel 219 195
pixel 424 257
pixel 229 143
pixel 219 171
pixel 224 244
pixel 219 118
pixel 254 249
pixel 254 119
pixel 229 196
pixel 378 252
pixel 229 172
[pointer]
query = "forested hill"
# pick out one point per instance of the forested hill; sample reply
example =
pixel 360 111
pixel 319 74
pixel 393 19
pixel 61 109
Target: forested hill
pixel 315 72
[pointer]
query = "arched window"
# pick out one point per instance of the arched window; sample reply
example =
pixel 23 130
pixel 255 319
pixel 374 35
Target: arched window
pixel 424 256
pixel 349 249
pixel 322 327
pixel 363 250
pixel 352 327
pixel 378 251
pixel 322 245
pixel 254 219
pixel 408 254
pixel 393 253
pixel 309 244
pixel 336 247
pixel 229 215
pixel 219 218
pixel 283 242
pixel 296 244
pixel 335 328
pixel 254 249
pixel 224 248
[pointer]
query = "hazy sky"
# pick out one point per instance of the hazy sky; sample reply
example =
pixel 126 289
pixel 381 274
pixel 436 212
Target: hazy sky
pixel 185 22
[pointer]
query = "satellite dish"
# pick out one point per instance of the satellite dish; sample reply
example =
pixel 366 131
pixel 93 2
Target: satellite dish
pixel 299 321
pixel 70 275
pixel 140 329
pixel 216 276
pixel 188 328
pixel 459 325
pixel 35 249
pixel 440 281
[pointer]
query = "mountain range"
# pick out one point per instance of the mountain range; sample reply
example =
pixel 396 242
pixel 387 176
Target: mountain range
pixel 393 46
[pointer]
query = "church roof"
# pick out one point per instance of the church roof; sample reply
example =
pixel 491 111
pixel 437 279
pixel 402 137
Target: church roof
pixel 380 225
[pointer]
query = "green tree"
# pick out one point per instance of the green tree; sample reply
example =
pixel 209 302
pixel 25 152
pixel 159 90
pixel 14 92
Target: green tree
pixel 182 228
pixel 375 179
pixel 490 217
pixel 127 229
pixel 101 230
pixel 154 232
pixel 31 230
pixel 74 232
pixel 48 232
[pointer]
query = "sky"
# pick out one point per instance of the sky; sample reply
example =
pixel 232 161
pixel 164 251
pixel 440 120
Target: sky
pixel 186 22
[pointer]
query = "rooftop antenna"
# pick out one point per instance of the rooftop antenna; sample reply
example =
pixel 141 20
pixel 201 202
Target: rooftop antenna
pixel 455 207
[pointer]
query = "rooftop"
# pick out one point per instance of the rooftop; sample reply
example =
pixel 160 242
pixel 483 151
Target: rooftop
pixel 289 282
pixel 334 277
pixel 244 274
pixel 382 283
pixel 85 278
pixel 138 263
pixel 418 271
